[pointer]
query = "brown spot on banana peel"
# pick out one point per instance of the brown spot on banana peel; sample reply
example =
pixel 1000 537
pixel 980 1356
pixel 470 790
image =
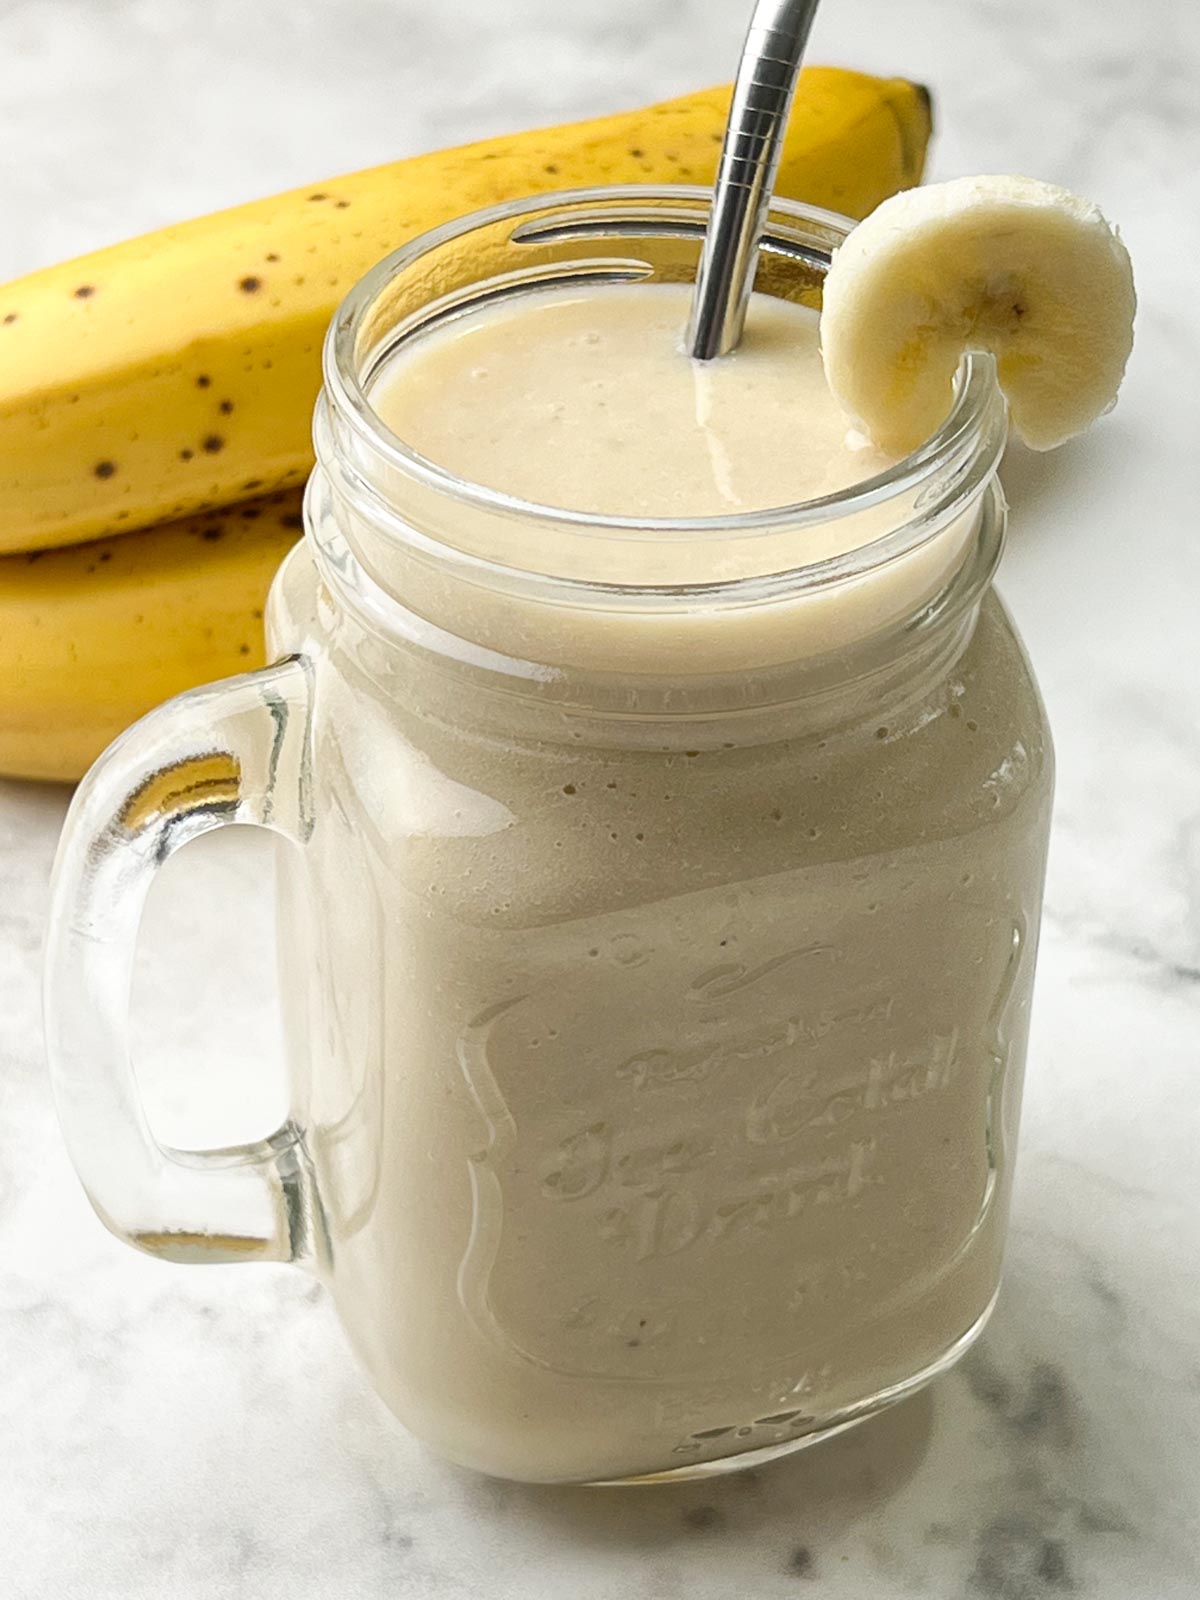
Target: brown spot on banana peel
pixel 912 148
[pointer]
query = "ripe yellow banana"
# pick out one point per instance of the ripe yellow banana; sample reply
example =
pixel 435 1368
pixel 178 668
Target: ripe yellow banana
pixel 93 636
pixel 179 370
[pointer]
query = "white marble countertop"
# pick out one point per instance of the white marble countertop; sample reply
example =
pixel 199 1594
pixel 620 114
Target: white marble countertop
pixel 172 1432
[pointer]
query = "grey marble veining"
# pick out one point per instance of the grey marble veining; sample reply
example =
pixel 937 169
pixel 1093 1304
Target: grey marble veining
pixel 205 1434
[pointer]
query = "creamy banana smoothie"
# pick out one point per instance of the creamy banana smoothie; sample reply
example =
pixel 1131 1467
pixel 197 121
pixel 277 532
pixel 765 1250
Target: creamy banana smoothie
pixel 585 400
pixel 663 798
pixel 666 1048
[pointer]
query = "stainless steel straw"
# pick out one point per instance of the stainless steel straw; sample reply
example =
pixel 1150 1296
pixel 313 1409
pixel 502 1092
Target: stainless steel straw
pixel 762 98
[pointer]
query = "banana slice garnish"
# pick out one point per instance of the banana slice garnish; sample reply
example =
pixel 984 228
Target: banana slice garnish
pixel 1024 270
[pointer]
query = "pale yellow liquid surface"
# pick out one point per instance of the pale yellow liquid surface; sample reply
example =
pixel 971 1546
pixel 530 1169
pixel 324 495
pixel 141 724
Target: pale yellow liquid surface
pixel 663 1070
pixel 586 400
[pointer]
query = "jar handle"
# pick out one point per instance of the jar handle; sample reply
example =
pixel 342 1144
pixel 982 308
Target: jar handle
pixel 232 752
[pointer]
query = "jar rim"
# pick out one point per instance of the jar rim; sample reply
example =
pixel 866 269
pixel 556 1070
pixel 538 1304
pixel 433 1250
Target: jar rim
pixel 959 443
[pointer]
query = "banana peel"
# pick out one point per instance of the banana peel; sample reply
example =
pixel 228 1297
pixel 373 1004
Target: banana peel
pixel 177 372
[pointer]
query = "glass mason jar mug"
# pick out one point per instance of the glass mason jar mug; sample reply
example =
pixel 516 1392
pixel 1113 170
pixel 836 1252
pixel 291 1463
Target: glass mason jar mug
pixel 656 955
